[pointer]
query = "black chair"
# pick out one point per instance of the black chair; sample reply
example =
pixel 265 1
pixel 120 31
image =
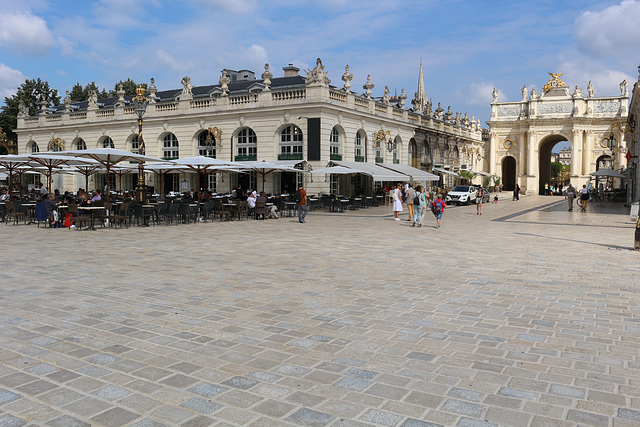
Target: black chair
pixel 141 215
pixel 122 216
pixel 260 210
pixel 172 212
pixel 220 211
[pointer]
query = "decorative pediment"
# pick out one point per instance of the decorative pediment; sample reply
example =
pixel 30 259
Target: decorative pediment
pixel 256 87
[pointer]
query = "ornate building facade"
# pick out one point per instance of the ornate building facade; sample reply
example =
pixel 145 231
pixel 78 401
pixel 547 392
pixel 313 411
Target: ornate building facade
pixel 632 135
pixel 524 132
pixel 297 120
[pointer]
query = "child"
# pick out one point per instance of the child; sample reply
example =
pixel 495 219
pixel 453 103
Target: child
pixel 495 199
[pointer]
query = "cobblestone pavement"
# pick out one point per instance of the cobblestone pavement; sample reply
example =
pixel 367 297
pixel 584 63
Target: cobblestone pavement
pixel 528 315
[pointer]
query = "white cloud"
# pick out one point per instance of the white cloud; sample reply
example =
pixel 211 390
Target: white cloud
pixel 606 81
pixel 10 79
pixel 233 6
pixel 25 34
pixel 612 32
pixel 479 94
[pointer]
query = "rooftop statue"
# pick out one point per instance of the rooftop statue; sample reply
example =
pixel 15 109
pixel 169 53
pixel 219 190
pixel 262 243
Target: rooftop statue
pixel 590 90
pixel 554 81
pixel 317 76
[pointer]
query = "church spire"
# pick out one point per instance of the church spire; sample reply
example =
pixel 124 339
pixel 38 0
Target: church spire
pixel 419 101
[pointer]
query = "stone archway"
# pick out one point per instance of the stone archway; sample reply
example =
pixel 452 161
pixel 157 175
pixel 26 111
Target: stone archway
pixel 509 173
pixel 544 160
pixel 415 154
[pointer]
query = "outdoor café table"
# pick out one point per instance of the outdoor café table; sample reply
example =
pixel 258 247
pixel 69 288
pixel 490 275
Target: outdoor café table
pixel 233 207
pixel 31 211
pixel 92 210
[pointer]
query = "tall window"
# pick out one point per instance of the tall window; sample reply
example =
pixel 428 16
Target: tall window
pixel 204 149
pixel 81 145
pixel 34 147
pixel 170 147
pixel 395 151
pixel 247 143
pixel 291 140
pixel 358 145
pixel 334 142
pixel 135 145
pixel 108 143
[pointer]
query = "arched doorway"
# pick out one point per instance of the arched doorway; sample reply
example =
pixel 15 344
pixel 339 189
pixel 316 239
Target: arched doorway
pixel 413 152
pixel 509 173
pixel 548 175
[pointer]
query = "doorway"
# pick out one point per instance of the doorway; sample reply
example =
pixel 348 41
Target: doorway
pixel 554 163
pixel 509 173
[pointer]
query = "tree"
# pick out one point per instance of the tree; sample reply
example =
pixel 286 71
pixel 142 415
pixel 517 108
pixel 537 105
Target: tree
pixel 129 87
pixel 79 93
pixel 467 175
pixel 556 167
pixel 30 93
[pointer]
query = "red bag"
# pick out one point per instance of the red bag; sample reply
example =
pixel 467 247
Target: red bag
pixel 67 220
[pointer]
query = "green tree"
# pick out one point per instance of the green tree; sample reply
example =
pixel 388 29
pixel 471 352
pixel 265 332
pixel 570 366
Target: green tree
pixel 467 175
pixel 556 168
pixel 79 93
pixel 30 93
pixel 129 87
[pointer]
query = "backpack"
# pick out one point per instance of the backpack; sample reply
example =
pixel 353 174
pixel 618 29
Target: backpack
pixel 298 197
pixel 416 198
pixel 438 206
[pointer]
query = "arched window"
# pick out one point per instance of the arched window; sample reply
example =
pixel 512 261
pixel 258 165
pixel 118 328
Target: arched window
pixel 135 146
pixel 81 145
pixel 34 147
pixel 290 143
pixel 207 144
pixel 334 145
pixel 170 147
pixel 395 151
pixel 247 145
pixel 357 150
pixel 108 143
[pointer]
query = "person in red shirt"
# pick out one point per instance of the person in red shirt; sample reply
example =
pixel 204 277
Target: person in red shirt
pixel 438 209
pixel 303 207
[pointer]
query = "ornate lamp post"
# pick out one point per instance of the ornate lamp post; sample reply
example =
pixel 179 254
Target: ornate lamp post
pixel 140 106
pixel 213 135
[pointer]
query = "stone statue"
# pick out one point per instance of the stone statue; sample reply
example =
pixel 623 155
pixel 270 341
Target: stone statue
pixel 624 89
pixel 368 86
pixel 318 76
pixel 439 111
pixel 224 82
pixel 495 94
pixel 590 90
pixel 525 93
pixel 186 85
pixel 93 99
pixel 67 102
pixel 43 104
pixel 385 97
pixel 577 93
pixel 22 109
pixel 152 91
pixel 402 99
pixel 121 93
pixel 448 115
pixel 266 77
pixel 534 93
pixel 429 109
pixel 346 78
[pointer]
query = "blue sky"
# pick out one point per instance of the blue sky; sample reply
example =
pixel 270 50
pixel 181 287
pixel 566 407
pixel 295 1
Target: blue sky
pixel 467 47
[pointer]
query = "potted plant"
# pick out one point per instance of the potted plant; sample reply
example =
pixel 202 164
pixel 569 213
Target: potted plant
pixel 496 183
pixel 486 182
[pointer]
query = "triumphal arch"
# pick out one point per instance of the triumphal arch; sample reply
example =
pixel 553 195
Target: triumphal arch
pixel 524 132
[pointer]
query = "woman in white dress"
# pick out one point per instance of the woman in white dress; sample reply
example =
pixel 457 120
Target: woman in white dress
pixel 397 202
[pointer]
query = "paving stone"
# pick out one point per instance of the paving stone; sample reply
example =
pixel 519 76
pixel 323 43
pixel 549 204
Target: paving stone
pixel 240 382
pixel 465 394
pixel 198 421
pixel 111 393
pixel 115 417
pixel 8 420
pixel 37 387
pixel 629 414
pixel 148 423
pixel 308 417
pixel 352 384
pixel 463 408
pixel 67 421
pixel 8 396
pixel 587 418
pixel 381 417
pixel 411 422
pixel 568 391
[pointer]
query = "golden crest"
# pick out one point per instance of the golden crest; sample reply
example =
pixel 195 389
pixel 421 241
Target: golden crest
pixel 554 81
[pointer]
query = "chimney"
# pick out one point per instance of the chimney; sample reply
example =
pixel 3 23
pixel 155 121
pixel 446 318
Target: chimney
pixel 290 71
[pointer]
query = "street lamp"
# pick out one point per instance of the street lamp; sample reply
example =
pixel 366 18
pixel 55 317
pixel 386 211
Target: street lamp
pixel 213 135
pixel 140 106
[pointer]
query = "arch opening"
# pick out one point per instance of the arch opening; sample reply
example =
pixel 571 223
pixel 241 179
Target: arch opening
pixel 554 164
pixel 509 173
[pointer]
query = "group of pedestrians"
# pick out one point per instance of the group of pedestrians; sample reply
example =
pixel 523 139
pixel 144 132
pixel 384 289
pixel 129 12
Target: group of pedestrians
pixel 571 194
pixel 417 199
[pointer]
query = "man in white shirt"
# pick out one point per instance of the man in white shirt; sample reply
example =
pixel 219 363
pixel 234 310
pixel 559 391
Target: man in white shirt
pixel 43 190
pixel 251 201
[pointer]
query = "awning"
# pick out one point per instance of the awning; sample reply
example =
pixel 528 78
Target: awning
pixel 289 163
pixel 415 173
pixel 446 171
pixel 483 173
pixel 378 173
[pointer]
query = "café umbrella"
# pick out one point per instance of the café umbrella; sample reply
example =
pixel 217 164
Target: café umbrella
pixel 108 157
pixel 11 163
pixel 50 161
pixel 265 168
pixel 339 170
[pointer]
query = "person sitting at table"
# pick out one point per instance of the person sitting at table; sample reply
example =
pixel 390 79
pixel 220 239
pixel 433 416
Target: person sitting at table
pixel 251 201
pixel 51 205
pixel 5 195
pixel 272 211
pixel 96 196
pixel 56 192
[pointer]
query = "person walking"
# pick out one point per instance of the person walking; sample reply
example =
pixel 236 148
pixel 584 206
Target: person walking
pixel 570 195
pixel 301 201
pixel 397 202
pixel 516 193
pixel 438 209
pixel 479 197
pixel 584 197
pixel 409 196
pixel 420 202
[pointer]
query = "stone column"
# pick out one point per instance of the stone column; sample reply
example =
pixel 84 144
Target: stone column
pixel 531 154
pixel 522 153
pixel 576 154
pixel 588 150
pixel 492 153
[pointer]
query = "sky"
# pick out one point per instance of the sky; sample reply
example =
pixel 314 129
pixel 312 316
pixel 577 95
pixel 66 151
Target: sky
pixel 467 47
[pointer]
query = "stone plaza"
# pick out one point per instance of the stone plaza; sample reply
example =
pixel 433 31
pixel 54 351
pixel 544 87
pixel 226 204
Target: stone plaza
pixel 528 315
